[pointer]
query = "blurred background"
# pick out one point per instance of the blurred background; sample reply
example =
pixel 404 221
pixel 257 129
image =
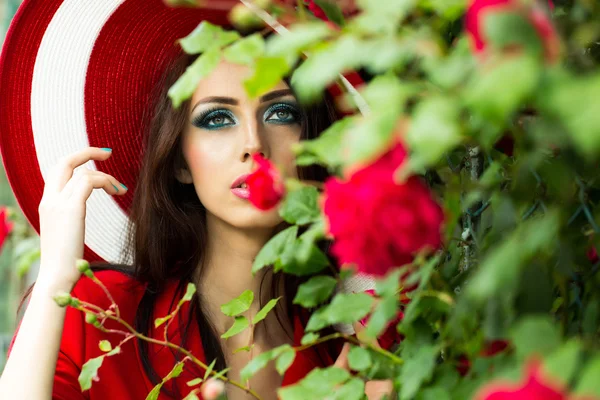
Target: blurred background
pixel 20 253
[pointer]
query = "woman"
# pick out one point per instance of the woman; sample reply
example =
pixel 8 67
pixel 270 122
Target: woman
pixel 190 220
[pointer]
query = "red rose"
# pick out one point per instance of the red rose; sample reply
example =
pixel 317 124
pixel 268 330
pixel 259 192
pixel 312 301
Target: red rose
pixel 316 10
pixel 536 386
pixel 264 184
pixel 378 224
pixel 5 225
pixel 478 9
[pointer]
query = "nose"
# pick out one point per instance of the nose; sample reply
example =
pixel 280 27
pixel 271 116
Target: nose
pixel 254 142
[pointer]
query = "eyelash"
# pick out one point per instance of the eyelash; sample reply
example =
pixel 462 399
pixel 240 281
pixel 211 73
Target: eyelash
pixel 202 120
pixel 293 110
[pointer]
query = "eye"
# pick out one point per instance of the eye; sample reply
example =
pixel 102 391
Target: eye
pixel 214 119
pixel 282 113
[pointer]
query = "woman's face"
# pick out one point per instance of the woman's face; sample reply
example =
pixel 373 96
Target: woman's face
pixel 224 129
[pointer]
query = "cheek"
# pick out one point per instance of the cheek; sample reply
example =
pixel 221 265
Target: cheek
pixel 203 160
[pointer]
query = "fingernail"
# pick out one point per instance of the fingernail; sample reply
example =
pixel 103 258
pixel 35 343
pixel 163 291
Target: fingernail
pixel 106 149
pixel 124 186
pixel 116 188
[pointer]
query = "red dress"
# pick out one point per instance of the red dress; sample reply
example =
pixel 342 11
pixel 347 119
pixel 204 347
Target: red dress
pixel 122 376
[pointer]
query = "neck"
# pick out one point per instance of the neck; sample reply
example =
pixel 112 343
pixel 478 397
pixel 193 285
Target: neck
pixel 226 272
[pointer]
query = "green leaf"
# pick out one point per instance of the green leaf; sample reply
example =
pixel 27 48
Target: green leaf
pixel 433 131
pixel 509 28
pixel 369 139
pixel 188 82
pixel 261 361
pixel 194 382
pixel 563 363
pixel 500 268
pixel 285 360
pixel 175 372
pixel 209 369
pixel 320 383
pixel 384 312
pixel 354 389
pixel 189 293
pixel 297 39
pixel 303 258
pixel 262 314
pixel 588 383
pixel 323 67
pixel 207 36
pixel 309 238
pixel 238 305
pixel 105 345
pixel 300 206
pixel 390 284
pixel 89 371
pixel 535 334
pixel 344 308
pixel 575 102
pixel 524 75
pixel 315 291
pixel 191 395
pixel 159 321
pixel 359 359
pixel 245 50
pixel 309 338
pixel 268 72
pixel 417 370
pixel 238 326
pixel 327 148
pixel 275 247
pixel 332 11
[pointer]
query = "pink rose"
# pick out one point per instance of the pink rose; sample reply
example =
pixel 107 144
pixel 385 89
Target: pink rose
pixel 5 225
pixel 535 386
pixel 378 224
pixel 479 9
pixel 265 185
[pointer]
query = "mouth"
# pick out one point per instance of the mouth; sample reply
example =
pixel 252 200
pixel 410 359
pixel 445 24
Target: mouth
pixel 239 187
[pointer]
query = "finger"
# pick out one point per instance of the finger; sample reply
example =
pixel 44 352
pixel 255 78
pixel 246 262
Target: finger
pixel 342 360
pixel 376 389
pixel 63 171
pixel 84 184
pixel 78 177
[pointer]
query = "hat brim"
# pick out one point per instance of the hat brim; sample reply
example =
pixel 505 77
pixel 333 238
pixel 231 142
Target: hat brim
pixel 76 74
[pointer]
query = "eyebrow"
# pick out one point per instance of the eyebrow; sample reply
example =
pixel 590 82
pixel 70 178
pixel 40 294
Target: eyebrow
pixel 234 102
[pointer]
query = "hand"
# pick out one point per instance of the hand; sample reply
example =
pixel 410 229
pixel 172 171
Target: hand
pixel 374 389
pixel 62 215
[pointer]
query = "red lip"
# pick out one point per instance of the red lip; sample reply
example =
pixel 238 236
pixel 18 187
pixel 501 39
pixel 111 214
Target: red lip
pixel 239 180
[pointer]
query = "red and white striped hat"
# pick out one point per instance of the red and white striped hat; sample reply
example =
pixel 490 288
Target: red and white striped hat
pixel 78 73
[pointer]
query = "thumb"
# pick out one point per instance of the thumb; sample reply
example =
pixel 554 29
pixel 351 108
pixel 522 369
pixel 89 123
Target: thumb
pixel 342 360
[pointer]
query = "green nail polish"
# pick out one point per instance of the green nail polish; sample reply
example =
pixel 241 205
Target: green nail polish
pixel 124 186
pixel 106 149
pixel 116 188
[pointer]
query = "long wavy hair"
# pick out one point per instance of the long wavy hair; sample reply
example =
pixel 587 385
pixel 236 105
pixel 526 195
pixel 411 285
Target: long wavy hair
pixel 167 232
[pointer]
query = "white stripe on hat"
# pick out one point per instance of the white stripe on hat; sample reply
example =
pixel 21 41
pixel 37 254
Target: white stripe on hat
pixel 57 111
